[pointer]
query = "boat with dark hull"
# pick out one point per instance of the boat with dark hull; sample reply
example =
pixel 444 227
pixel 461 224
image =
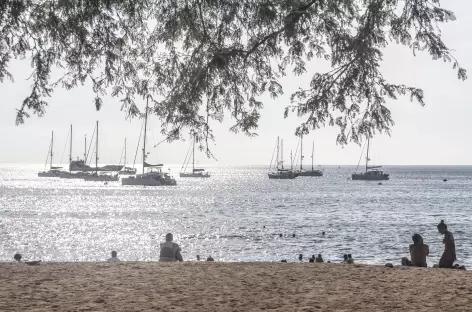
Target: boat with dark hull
pixel 280 173
pixel 372 173
pixel 196 172
pixel 308 173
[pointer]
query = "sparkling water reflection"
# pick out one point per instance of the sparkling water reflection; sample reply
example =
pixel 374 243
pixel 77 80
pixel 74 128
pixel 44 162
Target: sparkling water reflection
pixel 236 215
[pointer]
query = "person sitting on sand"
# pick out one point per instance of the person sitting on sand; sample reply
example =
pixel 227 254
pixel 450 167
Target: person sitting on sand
pixel 114 257
pixel 449 255
pixel 170 251
pixel 319 259
pixel 210 258
pixel 418 251
pixel 17 258
pixel 349 259
pixel 345 258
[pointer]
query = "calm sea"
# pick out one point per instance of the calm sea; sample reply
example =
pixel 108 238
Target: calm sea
pixel 236 215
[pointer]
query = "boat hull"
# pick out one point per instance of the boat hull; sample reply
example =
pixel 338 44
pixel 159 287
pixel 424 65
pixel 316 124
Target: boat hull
pixel 149 180
pixel 79 175
pixel 313 173
pixel 194 175
pixel 278 176
pixel 127 172
pixel 370 177
pixel 102 178
pixel 48 174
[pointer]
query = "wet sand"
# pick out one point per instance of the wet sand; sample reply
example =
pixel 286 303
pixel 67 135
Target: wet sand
pixel 150 286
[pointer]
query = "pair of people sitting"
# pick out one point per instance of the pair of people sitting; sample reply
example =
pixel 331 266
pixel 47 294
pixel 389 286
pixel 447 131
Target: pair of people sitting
pixel 348 259
pixel 318 259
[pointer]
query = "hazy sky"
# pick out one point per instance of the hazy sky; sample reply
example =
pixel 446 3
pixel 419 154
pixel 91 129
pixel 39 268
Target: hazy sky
pixel 437 134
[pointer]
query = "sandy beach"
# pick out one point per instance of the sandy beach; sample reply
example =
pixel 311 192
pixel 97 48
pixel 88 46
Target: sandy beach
pixel 230 287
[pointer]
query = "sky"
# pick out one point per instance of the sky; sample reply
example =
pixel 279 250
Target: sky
pixel 436 134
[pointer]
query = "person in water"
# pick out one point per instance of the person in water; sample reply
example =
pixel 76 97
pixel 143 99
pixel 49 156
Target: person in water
pixel 114 257
pixel 449 255
pixel 418 251
pixel 170 251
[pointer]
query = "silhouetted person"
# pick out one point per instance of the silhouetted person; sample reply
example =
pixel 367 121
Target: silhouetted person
pixel 418 251
pixel 300 257
pixel 349 259
pixel 284 261
pixel 345 258
pixel 449 255
pixel 210 258
pixel 319 259
pixel 18 258
pixel 114 257
pixel 293 235
pixel 280 235
pixel 170 251
pixel 198 257
pixel 323 233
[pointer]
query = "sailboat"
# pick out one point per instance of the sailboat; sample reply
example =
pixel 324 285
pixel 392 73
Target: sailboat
pixel 372 173
pixel 196 172
pixel 126 170
pixel 308 173
pixel 96 176
pixel 280 172
pixel 154 176
pixel 53 172
pixel 76 165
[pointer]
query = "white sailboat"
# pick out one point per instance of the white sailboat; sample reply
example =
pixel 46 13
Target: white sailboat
pixel 308 173
pixel 103 176
pixel 74 165
pixel 280 172
pixel 126 170
pixel 53 172
pixel 196 172
pixel 154 176
pixel 372 173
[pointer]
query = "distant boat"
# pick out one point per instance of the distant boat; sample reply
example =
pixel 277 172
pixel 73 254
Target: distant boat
pixel 372 173
pixel 75 164
pixel 308 173
pixel 196 172
pixel 280 172
pixel 53 172
pixel 126 170
pixel 155 176
pixel 102 176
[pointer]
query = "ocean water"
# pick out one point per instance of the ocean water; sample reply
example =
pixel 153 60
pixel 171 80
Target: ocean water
pixel 236 215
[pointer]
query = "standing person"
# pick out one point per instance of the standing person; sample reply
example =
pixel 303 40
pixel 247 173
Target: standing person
pixel 449 255
pixel 170 251
pixel 418 251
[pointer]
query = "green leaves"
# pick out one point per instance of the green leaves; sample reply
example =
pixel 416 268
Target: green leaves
pixel 200 59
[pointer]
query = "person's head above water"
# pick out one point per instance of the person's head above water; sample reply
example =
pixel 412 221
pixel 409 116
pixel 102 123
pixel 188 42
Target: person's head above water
pixel 169 237
pixel 345 256
pixel 17 257
pixel 417 239
pixel 114 254
pixel 442 227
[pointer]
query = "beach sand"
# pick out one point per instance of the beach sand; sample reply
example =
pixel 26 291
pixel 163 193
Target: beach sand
pixel 152 286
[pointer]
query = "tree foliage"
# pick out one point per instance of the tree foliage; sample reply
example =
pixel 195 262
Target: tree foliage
pixel 199 59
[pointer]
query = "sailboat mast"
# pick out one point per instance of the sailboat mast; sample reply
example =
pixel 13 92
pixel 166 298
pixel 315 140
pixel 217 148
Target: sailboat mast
pixel 145 130
pixel 85 149
pixel 291 160
pixel 282 154
pixel 96 152
pixel 193 155
pixel 52 144
pixel 124 159
pixel 312 153
pixel 278 140
pixel 70 151
pixel 367 157
pixel 301 152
